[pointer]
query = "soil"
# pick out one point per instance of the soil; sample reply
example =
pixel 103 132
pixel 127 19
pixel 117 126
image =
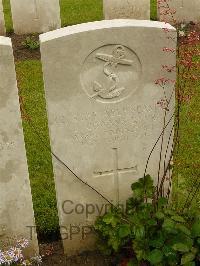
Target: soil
pixel 20 51
pixel 53 255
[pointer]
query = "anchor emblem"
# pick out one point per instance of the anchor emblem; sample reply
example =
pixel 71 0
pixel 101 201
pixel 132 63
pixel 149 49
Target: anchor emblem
pixel 118 57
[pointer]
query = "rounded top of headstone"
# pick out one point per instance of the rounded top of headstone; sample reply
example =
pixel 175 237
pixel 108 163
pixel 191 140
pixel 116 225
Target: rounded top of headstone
pixel 5 41
pixel 104 24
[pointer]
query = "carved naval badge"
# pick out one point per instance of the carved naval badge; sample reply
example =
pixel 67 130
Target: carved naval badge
pixel 111 62
pixel 111 73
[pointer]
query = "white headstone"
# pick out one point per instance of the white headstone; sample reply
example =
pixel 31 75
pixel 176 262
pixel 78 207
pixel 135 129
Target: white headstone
pixel 16 209
pixel 31 16
pixel 2 22
pixel 131 9
pixel 104 116
pixel 179 10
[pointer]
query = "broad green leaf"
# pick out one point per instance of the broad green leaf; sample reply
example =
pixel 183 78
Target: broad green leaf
pixel 124 231
pixel 188 257
pixel 170 255
pixel 169 212
pixel 140 253
pixel 162 202
pixel 169 225
pixel 181 247
pixel 148 181
pixel 110 219
pixel 178 218
pixel 183 229
pixel 115 243
pixel 169 252
pixel 194 250
pixel 160 215
pixel 157 243
pixel 196 229
pixel 155 256
pixel 139 232
pixel 136 186
pixel 152 222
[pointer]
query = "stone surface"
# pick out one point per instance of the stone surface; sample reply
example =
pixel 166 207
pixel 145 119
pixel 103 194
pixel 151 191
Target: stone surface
pixel 104 116
pixel 131 9
pixel 16 210
pixel 183 11
pixel 31 16
pixel 2 22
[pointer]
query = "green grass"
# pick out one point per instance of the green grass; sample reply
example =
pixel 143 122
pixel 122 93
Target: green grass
pixel 79 11
pixel 7 15
pixel 187 161
pixel 30 82
pixel 154 9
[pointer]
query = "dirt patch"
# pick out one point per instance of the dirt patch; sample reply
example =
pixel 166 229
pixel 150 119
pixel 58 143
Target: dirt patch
pixel 20 51
pixel 53 255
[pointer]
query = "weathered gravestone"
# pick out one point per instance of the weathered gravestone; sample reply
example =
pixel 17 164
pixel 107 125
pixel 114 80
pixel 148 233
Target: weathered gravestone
pixel 31 16
pixel 132 9
pixel 178 11
pixel 16 210
pixel 103 113
pixel 2 22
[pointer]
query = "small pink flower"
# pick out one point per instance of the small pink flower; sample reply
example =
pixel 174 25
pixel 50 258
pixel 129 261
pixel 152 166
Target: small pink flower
pixel 167 49
pixel 23 243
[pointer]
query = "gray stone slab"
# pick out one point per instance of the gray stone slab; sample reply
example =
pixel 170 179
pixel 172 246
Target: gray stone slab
pixel 104 116
pixel 31 16
pixel 183 11
pixel 16 209
pixel 130 9
pixel 2 22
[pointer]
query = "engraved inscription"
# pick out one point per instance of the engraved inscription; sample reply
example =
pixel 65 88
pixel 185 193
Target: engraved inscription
pixel 115 125
pixel 127 9
pixel 116 172
pixel 111 73
pixel 6 146
pixel 124 12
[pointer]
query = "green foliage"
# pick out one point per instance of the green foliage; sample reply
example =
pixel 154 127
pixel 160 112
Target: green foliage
pixel 31 43
pixel 154 232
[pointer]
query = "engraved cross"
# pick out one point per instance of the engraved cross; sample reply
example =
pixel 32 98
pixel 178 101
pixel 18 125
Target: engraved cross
pixel 115 172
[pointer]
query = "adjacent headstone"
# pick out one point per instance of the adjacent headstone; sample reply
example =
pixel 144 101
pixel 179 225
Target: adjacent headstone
pixel 16 209
pixel 179 11
pixel 130 9
pixel 2 22
pixel 31 16
pixel 104 115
